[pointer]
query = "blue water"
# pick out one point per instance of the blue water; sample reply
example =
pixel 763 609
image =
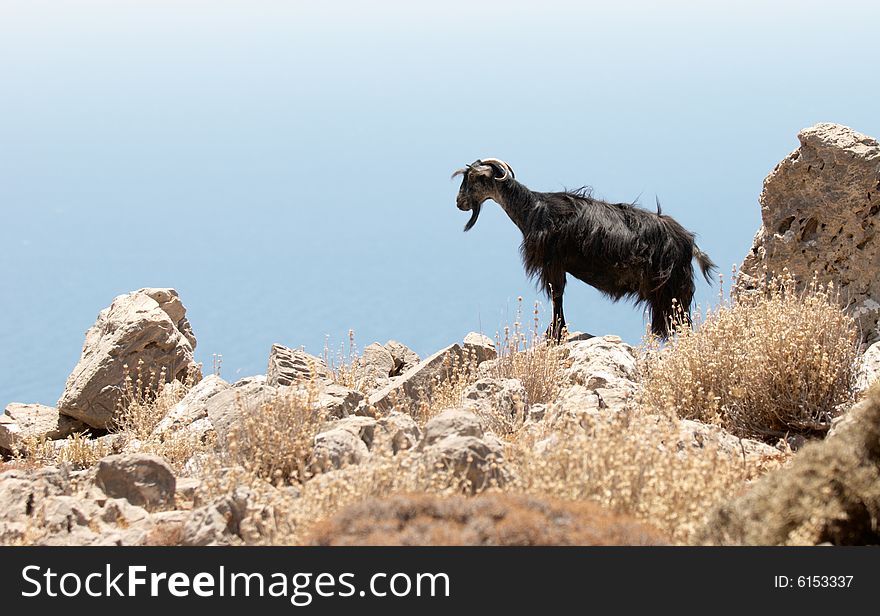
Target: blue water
pixel 286 166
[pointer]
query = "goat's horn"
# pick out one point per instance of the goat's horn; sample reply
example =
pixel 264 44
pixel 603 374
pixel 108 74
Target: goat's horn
pixel 508 171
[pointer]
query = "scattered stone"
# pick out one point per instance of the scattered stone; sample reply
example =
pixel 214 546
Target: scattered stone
pixel 23 421
pixel 146 329
pixel 419 380
pixel 143 480
pixel 819 213
pixel 288 366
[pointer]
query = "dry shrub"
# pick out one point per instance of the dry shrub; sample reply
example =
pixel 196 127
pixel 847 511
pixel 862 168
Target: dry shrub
pixel 78 450
pixel 276 440
pixel 766 364
pixel 631 463
pixel 529 357
pixel 829 493
pixel 146 398
pixel 490 519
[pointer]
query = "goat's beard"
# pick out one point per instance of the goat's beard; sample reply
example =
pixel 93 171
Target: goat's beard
pixel 475 213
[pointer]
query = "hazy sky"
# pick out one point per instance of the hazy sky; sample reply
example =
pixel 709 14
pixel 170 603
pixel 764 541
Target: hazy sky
pixel 285 165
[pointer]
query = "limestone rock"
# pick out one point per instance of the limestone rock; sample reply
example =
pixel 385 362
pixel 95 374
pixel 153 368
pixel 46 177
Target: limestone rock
pixel 869 368
pixel 376 366
pixel 142 479
pixel 419 380
pixel 481 347
pixel 287 366
pixel 403 356
pixel 225 408
pixel 21 421
pixel 504 396
pixel 337 448
pixel 819 212
pixel 451 422
pixel 339 401
pixel 147 326
pixel 192 410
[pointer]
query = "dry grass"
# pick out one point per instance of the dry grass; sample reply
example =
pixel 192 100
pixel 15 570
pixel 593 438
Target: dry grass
pixel 275 442
pixel 631 463
pixel 769 363
pixel 829 493
pixel 526 355
pixel 489 519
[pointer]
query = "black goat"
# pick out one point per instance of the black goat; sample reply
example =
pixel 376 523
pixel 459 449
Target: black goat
pixel 620 249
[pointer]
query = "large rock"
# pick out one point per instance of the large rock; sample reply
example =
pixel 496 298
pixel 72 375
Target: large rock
pixel 141 479
pixel 339 401
pixel 337 448
pixel 819 212
pixel 226 407
pixel 191 413
pixel 403 356
pixel 419 380
pixel 455 443
pixel 23 421
pixel 376 366
pixel 288 366
pixel 146 329
pixel 869 367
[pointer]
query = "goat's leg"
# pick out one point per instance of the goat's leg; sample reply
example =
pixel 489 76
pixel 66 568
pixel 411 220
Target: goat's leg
pixel 557 324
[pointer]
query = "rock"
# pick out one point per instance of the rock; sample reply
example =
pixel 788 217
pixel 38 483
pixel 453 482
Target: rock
pixel 219 522
pixel 394 433
pixel 419 380
pixel 601 375
pixel 475 461
pixel 148 326
pixel 376 366
pixel 830 492
pixel 819 210
pixel 503 396
pixel 536 413
pixel 480 347
pixel 189 413
pixel 339 401
pixel 452 422
pixel 225 408
pixel 142 479
pixel 403 356
pixel 869 368
pixel 699 435
pixel 22 421
pixel 362 427
pixel 336 448
pixel 287 366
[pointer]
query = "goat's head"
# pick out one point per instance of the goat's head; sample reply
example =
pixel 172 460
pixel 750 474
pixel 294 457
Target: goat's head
pixel 479 183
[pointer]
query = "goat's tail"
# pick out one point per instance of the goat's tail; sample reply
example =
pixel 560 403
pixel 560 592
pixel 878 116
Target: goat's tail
pixel 707 266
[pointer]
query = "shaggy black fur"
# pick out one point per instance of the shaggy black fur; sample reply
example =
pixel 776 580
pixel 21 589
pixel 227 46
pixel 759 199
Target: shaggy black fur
pixel 622 250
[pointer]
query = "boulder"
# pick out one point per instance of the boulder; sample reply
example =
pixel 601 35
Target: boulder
pixel 480 347
pixel 287 366
pixel 403 356
pixel 419 380
pixel 141 479
pixel 819 212
pixel 339 401
pixel 145 330
pixel 505 397
pixel 375 366
pixel 22 421
pixel 869 368
pixel 337 448
pixel 191 412
pixel 394 433
pixel 224 408
pixel 451 422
